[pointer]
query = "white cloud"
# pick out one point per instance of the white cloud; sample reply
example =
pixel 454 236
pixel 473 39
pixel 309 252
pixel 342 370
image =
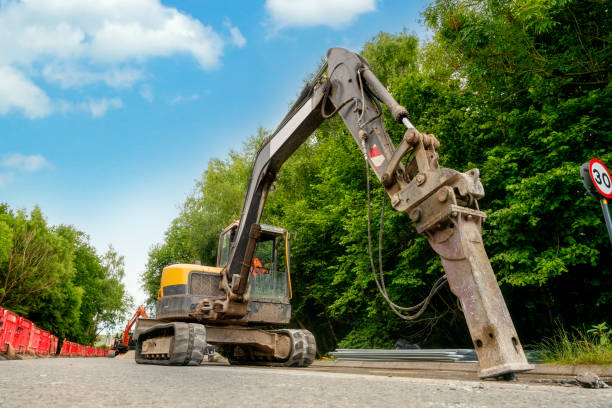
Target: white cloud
pixel 75 43
pixel 5 179
pixel 17 163
pixel 69 76
pixel 20 93
pixel 96 107
pixel 182 98
pixel 24 163
pixel 237 38
pixel 146 91
pixel 333 13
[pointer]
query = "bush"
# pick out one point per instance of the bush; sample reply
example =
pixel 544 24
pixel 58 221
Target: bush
pixel 592 346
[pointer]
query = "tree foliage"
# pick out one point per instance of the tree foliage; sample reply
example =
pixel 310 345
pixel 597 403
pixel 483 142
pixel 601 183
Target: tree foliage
pixel 54 277
pixel 518 89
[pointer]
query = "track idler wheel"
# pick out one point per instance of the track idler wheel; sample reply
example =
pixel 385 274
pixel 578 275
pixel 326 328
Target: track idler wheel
pixel 303 348
pixel 172 344
pixel 302 354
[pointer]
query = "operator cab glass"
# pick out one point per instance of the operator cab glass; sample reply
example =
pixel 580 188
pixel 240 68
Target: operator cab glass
pixel 269 275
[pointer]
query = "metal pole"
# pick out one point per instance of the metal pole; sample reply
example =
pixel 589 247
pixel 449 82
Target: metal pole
pixel 606 213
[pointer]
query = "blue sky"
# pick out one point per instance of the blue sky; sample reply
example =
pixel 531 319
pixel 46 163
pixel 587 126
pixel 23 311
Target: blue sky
pixel 110 110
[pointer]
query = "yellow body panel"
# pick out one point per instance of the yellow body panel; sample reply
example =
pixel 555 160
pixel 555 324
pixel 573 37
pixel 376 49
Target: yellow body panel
pixel 178 274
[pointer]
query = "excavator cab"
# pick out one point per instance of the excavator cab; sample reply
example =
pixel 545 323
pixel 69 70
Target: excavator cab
pixel 269 279
pixel 189 291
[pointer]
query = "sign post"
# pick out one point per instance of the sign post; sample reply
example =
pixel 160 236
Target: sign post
pixel 598 183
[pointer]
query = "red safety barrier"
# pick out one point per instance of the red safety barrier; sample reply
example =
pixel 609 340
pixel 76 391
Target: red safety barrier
pixel 65 351
pixel 22 336
pixel 53 345
pixel 8 329
pixel 34 340
pixel 43 344
pixel 74 349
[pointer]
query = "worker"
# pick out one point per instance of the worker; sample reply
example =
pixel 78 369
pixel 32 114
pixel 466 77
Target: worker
pixel 257 269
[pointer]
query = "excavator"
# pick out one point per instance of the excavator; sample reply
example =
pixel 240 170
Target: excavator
pixel 227 305
pixel 121 345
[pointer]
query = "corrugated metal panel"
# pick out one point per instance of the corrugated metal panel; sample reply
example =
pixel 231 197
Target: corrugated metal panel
pixel 439 355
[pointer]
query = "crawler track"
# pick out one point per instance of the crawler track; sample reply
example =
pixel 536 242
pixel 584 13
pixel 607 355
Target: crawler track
pixel 303 350
pixel 187 346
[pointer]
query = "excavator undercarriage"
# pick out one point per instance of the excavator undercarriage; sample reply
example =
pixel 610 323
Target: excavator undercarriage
pixel 180 343
pixel 251 285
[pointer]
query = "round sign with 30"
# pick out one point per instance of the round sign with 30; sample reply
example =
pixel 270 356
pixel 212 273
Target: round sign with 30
pixel 601 177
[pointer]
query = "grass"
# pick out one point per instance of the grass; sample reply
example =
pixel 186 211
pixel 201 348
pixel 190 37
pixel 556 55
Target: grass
pixel 593 346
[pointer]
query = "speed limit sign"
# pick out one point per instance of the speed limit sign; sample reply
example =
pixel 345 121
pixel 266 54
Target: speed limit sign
pixel 598 182
pixel 601 177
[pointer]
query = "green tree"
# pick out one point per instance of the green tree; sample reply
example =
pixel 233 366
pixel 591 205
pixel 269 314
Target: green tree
pixel 38 260
pixel 54 277
pixel 519 89
pixel 536 79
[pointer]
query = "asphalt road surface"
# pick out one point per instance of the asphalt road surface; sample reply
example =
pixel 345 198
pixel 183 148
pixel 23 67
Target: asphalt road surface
pixel 121 382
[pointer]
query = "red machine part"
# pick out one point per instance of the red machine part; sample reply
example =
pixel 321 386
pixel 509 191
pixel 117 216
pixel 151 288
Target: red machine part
pixel 125 339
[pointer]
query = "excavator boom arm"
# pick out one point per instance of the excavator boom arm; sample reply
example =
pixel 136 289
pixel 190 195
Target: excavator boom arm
pixel 442 203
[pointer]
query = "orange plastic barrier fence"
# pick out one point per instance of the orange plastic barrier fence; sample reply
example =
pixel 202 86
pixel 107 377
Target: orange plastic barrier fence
pixel 34 340
pixel 43 343
pixel 24 336
pixel 65 351
pixel 53 345
pixel 8 328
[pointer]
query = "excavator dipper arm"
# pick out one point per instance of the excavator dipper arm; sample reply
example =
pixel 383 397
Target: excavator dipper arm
pixel 442 203
pixel 140 312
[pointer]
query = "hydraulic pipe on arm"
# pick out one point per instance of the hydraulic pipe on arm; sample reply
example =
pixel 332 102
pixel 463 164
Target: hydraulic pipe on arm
pixel 442 203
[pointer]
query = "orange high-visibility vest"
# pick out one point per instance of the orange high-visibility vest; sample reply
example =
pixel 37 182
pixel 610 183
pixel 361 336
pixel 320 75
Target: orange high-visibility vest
pixel 257 268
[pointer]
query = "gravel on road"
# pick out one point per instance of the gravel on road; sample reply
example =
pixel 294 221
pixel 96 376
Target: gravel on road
pixel 121 382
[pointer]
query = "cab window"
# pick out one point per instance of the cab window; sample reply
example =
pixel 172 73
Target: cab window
pixel 226 245
pixel 268 277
